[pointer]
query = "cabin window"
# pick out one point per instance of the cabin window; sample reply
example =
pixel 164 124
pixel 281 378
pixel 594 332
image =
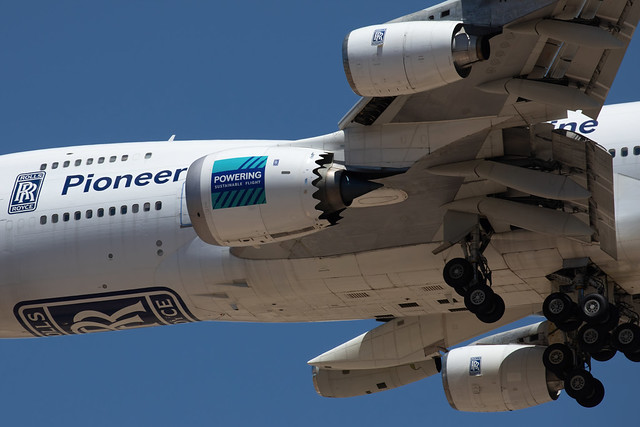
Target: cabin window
pixel 88 214
pixel 43 166
pixel 54 165
pixel 147 156
pixel 78 162
pixel 89 161
pixel 158 205
pixel 66 164
pixel 624 151
pixel 135 208
pixel 146 207
pixel 112 159
pixel 65 216
pixel 112 211
pixel 54 218
pixel 100 160
pixel 636 150
pixel 123 209
pixel 125 157
pixel 77 215
pixel 43 219
pixel 612 152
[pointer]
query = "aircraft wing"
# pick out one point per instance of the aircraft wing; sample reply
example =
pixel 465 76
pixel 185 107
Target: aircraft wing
pixel 525 50
pixel 535 73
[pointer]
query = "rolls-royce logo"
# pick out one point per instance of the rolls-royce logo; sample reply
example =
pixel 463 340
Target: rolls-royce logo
pixel 475 366
pixel 112 311
pixel 378 37
pixel 26 191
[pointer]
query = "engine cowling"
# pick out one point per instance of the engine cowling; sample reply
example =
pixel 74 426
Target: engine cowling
pixel 493 378
pixel 409 57
pixel 253 196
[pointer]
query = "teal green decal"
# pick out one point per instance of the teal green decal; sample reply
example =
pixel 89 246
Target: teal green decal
pixel 238 182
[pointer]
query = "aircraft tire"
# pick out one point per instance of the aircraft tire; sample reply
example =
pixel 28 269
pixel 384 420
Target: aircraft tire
pixel 558 358
pixel 595 397
pixel 479 299
pixel 594 308
pixel 626 338
pixel 558 307
pixel 495 313
pixel 578 383
pixel 593 338
pixel 458 272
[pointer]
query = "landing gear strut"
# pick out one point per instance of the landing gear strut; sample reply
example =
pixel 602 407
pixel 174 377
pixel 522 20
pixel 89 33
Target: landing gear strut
pixel 471 277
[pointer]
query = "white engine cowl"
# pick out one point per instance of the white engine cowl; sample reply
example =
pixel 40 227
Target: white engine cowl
pixel 253 196
pixel 494 378
pixel 409 57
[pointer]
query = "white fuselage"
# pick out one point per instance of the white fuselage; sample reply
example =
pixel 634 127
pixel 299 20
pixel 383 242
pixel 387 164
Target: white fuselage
pixel 109 246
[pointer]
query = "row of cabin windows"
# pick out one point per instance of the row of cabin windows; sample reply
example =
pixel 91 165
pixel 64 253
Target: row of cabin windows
pixel 624 151
pixel 100 212
pixel 89 161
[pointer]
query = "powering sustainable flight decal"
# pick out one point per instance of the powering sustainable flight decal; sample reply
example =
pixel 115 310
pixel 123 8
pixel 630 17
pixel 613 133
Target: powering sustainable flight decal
pixel 111 311
pixel 26 190
pixel 238 182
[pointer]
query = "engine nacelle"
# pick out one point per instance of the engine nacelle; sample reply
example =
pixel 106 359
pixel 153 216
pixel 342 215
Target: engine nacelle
pixel 253 196
pixel 493 378
pixel 409 57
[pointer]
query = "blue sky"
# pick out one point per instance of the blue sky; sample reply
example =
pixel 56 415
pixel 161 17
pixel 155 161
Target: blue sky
pixel 79 72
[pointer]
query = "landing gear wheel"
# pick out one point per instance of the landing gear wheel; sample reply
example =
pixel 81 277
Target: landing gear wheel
pixel 458 272
pixel 558 307
pixel 634 357
pixel 593 338
pixel 605 354
pixel 558 358
pixel 595 397
pixel 594 308
pixel 479 299
pixel 578 384
pixel 496 312
pixel 626 338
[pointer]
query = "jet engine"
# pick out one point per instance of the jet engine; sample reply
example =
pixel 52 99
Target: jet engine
pixel 410 57
pixel 492 378
pixel 252 196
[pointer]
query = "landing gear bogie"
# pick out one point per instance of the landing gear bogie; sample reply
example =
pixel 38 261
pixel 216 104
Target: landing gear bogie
pixel 471 277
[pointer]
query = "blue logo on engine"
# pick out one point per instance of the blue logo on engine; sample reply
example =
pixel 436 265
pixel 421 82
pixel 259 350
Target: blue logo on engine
pixel 238 182
pixel 378 37
pixel 475 366
pixel 26 191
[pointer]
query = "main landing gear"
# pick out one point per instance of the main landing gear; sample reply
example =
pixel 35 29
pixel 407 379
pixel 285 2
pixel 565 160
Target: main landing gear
pixel 595 326
pixel 471 278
